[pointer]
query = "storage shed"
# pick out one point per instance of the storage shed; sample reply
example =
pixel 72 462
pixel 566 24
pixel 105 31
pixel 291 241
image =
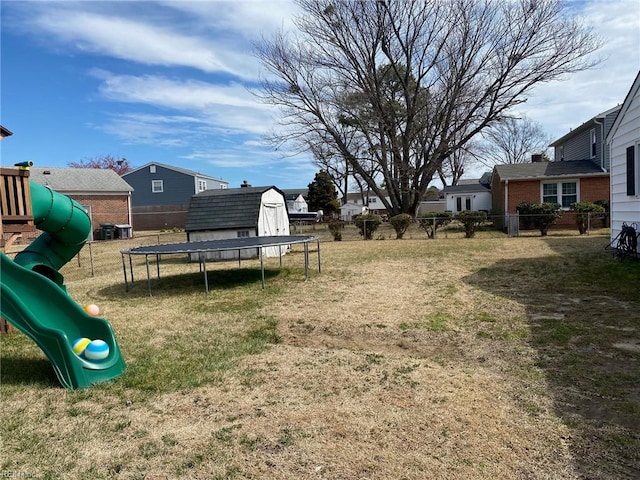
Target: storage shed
pixel 237 213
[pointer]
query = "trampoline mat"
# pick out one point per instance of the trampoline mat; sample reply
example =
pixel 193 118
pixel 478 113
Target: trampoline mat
pixel 219 245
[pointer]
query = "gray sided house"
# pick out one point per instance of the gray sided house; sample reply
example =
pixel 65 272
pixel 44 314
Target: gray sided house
pixel 105 196
pixel 162 193
pixel 588 141
pixel 238 213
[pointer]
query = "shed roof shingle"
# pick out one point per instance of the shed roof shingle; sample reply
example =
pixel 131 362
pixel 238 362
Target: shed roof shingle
pixel 232 208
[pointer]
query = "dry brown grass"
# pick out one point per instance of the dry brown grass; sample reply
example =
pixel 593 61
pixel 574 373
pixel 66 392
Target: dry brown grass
pixel 416 359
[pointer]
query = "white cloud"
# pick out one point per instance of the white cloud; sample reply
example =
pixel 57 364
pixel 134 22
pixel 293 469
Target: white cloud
pixel 225 108
pixel 563 105
pixel 178 94
pixel 145 33
pixel 145 129
pixel 248 18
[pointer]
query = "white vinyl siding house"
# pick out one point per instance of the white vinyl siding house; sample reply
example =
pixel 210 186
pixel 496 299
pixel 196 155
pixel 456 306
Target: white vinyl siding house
pixel 472 194
pixel 624 144
pixel 357 203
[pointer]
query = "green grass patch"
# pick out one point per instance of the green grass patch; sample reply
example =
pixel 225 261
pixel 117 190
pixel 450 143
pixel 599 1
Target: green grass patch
pixel 436 322
pixel 196 357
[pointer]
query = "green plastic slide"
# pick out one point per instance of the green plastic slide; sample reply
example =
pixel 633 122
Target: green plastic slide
pixel 35 301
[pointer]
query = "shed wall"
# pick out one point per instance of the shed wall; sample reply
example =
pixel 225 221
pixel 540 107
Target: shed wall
pixel 225 255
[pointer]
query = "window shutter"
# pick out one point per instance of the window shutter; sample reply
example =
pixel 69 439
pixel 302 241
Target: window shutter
pixel 631 171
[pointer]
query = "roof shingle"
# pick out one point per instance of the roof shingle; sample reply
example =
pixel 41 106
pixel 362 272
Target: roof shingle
pixel 89 180
pixel 573 168
pixel 233 208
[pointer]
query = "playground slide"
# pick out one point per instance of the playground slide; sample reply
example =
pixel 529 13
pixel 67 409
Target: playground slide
pixel 45 312
pixel 34 299
pixel 66 227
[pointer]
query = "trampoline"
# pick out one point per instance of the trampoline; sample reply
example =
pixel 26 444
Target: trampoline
pixel 203 247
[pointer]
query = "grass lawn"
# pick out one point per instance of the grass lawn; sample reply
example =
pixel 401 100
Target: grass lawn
pixel 452 358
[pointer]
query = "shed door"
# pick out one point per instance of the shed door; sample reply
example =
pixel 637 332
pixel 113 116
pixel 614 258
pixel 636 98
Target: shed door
pixel 271 220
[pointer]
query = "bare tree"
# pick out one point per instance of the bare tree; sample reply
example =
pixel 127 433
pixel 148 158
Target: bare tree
pixel 343 175
pixel 108 162
pixel 513 140
pixel 401 85
pixel 453 167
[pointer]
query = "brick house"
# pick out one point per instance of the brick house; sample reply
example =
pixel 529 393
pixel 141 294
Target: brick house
pixel 106 196
pixel 559 182
pixel 579 173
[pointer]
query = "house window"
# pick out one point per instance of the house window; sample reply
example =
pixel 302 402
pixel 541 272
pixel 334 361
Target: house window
pixel 561 152
pixel 458 204
pixel 593 143
pixel 569 194
pixel 223 186
pixel 243 233
pixel 564 193
pixel 633 165
pixel 157 186
pixel 549 192
pixel 373 200
pixel 152 169
pixel 202 185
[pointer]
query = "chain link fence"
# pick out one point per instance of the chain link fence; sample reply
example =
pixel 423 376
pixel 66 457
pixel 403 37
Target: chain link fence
pixel 103 258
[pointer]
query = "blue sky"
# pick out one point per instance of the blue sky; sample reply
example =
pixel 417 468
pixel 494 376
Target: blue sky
pixel 170 82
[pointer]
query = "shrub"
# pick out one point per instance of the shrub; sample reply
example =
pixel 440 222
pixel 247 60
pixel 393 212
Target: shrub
pixel 400 223
pixel 585 211
pixel 431 221
pixel 367 223
pixel 336 227
pixel 471 221
pixel 544 215
pixel 525 211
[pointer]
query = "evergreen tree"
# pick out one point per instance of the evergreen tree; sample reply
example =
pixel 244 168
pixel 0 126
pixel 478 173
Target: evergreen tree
pixel 322 194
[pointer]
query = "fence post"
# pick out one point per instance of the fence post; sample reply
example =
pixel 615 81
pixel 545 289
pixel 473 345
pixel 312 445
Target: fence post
pixel 91 258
